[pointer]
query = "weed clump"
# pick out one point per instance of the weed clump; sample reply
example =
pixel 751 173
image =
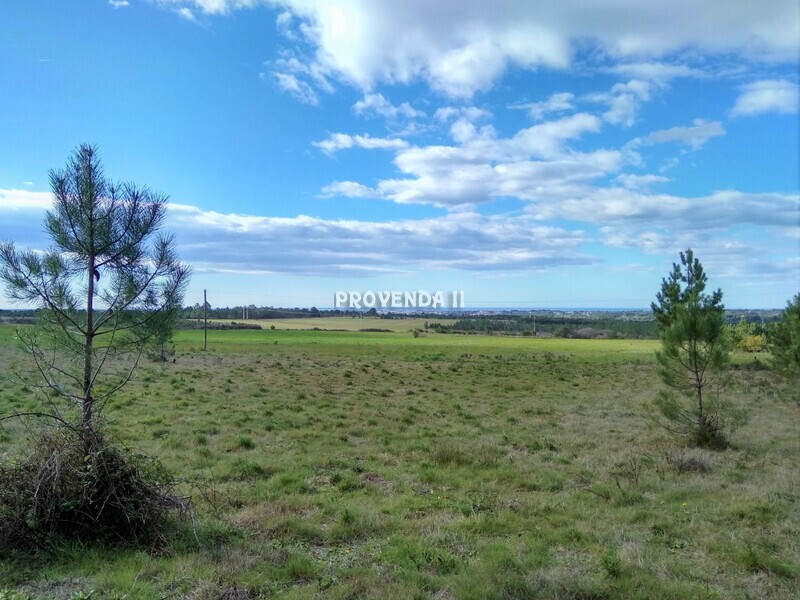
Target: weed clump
pixel 690 460
pixel 69 487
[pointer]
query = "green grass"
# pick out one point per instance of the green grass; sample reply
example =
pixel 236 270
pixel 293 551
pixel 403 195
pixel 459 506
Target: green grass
pixel 342 323
pixel 356 465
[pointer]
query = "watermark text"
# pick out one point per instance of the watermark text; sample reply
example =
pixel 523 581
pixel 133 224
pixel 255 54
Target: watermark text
pixel 407 299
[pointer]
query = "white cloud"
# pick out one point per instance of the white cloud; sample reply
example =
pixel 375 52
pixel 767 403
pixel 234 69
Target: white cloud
pixel 212 7
pixel 745 261
pixel 640 182
pixel 283 23
pixel 214 241
pixel 694 137
pixel 297 88
pixel 769 95
pixel 468 241
pixel 343 141
pixel 119 3
pixel 468 113
pixel 349 189
pixel 623 101
pixel 186 14
pixel 655 71
pixel 461 49
pixel 554 104
pixel 378 105
pixel 671 214
pixel 483 166
pixel 299 78
pixel 17 200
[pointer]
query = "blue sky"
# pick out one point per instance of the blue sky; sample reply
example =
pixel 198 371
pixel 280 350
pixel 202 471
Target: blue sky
pixel 549 154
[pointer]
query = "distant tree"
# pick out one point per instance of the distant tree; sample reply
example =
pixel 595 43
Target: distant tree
pixel 752 343
pixel 561 332
pixel 784 342
pixel 746 336
pixel 693 355
pixel 159 345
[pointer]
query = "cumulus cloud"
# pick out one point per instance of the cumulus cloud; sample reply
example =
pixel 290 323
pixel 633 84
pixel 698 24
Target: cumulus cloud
pixel 483 166
pixel 769 95
pixel 296 87
pixel 376 104
pixel 21 213
pixel 658 72
pixel 468 241
pixel 720 210
pixel 468 113
pixel 212 7
pixel 625 218
pixel 343 141
pixel 241 243
pixel 460 51
pixel 299 78
pixel 554 104
pixel 624 101
pixel 349 189
pixel 186 14
pixel 284 25
pixel 745 261
pixel 19 200
pixel 694 136
pixel 640 182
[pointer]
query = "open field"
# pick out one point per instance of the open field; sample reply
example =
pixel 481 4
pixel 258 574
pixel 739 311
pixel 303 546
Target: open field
pixel 343 323
pixel 329 464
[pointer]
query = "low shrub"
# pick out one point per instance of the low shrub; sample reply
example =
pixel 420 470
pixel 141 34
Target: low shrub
pixel 752 343
pixel 104 494
pixel 690 460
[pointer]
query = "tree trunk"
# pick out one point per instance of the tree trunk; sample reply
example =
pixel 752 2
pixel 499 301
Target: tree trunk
pixel 699 393
pixel 87 401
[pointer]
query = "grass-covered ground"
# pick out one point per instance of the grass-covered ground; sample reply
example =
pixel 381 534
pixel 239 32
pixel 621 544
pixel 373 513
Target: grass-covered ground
pixel 343 323
pixel 379 465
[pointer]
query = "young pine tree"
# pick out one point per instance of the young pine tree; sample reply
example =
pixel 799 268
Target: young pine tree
pixel 784 343
pixel 108 285
pixel 693 354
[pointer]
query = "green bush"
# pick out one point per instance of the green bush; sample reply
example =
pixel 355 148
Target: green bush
pixel 752 343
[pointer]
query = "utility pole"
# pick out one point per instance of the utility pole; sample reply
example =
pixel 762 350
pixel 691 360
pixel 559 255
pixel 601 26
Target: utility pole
pixel 205 321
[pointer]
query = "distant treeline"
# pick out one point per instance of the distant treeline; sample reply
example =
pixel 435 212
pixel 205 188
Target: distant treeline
pixel 600 324
pixel 551 326
pixel 249 312
pixel 740 325
pixel 270 312
pixel 18 317
pixel 199 324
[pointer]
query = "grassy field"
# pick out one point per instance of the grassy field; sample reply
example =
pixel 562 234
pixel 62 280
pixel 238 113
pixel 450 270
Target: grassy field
pixel 327 464
pixel 343 323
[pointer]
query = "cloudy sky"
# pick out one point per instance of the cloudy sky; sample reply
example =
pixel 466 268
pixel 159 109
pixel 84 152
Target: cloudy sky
pixel 536 154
